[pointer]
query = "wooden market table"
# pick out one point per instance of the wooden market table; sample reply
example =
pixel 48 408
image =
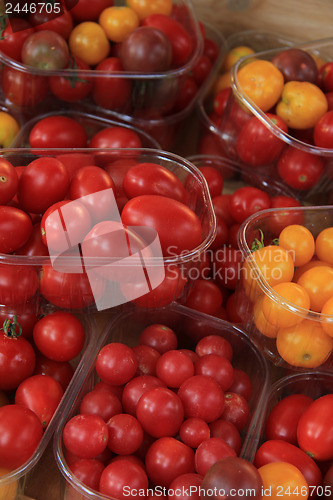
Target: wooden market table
pixel 302 19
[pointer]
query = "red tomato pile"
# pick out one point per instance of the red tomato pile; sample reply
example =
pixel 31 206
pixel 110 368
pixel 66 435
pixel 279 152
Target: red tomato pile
pixel 298 430
pixel 213 291
pixel 293 90
pixel 160 414
pixel 36 366
pixel 90 47
pixel 34 194
pixel 298 269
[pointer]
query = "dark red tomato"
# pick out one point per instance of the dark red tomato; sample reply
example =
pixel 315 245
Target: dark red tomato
pixel 241 384
pixel 315 430
pixel 23 89
pixel 300 169
pixel 194 431
pixel 84 10
pixel 44 182
pixel 115 137
pixel 168 458
pixel 70 290
pixel 34 246
pixel 15 228
pixel 174 367
pixel 41 394
pixel 160 412
pixel 204 296
pixel 116 363
pixel 72 215
pixel 202 397
pixel 8 181
pixel 102 403
pixel 186 94
pixel 135 388
pixel 227 431
pixel 166 292
pixel 160 337
pixel 236 410
pixel 88 471
pixel 280 451
pixel 111 90
pixel 221 206
pixel 58 132
pixel 74 87
pixel 88 181
pixel 60 23
pixel 209 452
pixel 246 201
pixel 151 178
pixel 17 360
pixel 13 37
pixel 280 220
pixel 20 434
pixel 257 144
pixel 178 227
pixel 329 98
pixel 214 344
pixel 201 69
pixel 325 77
pixel 181 42
pixel 147 358
pixel 85 435
pixel 61 371
pixel 217 367
pixel 121 477
pixel 45 50
pixel 117 170
pixel 60 336
pixel 328 480
pixel 283 419
pixel 18 284
pixel 214 179
pixel 323 131
pixel 226 267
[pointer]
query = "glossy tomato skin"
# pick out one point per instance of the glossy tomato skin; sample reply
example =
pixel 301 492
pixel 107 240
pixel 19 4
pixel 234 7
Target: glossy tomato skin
pixel 23 89
pixel 60 23
pixel 18 284
pixel 111 92
pixel 209 452
pixel 281 451
pixel 178 227
pixel 151 178
pixel 315 431
pixel 45 50
pixel 72 88
pixel 84 10
pixel 323 131
pixel 115 137
pixel 15 228
pixel 246 201
pixel 85 435
pixel 58 132
pixel 283 419
pixel 204 296
pixel 13 37
pixel 300 169
pixel 20 434
pixel 121 477
pixel 17 361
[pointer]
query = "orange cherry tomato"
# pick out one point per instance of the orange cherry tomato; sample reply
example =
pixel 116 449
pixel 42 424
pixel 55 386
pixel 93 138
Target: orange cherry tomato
pixel 89 43
pixel 145 8
pixel 313 263
pixel 261 322
pixel 278 310
pixel 324 245
pixel 282 480
pixel 262 82
pixel 305 345
pixel 318 282
pixel 302 104
pixel 235 54
pixel 327 323
pixel 118 22
pixel 299 241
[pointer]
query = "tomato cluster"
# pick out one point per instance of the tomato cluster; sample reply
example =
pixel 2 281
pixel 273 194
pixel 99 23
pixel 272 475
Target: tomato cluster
pixel 236 194
pixel 100 54
pixel 159 414
pixel 278 118
pixel 37 359
pixel 297 312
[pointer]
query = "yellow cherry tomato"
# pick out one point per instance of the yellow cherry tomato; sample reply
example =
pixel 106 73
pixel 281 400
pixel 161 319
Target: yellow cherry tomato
pixel 145 8
pixel 261 322
pixel 324 245
pixel 280 313
pixel 282 481
pixel 298 240
pixel 262 82
pixel 327 323
pixel 89 42
pixel 318 282
pixel 301 105
pixel 9 128
pixel 118 22
pixel 235 54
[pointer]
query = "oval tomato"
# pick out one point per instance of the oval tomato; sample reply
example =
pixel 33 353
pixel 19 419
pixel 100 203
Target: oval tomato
pixel 15 228
pixel 58 132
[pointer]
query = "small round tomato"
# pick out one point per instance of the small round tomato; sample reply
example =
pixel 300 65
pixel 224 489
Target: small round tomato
pixel 23 89
pixel 277 312
pixel 116 363
pixel 61 23
pixel 160 337
pixel 118 22
pixel 324 245
pixel 323 131
pixel 300 169
pixel 246 201
pixel 45 49
pixel 15 228
pixel 111 90
pixel 145 8
pixel 298 240
pixel 283 480
pixel 17 360
pixel 120 475
pixel 74 87
pixel 235 54
pixel 85 435
pixel 202 397
pixel 88 41
pixel 318 282
pixel 262 82
pixel 13 36
pixel 85 10
pixel 58 131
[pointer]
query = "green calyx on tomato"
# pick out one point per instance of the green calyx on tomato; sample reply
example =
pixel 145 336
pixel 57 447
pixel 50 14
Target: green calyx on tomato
pixel 12 328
